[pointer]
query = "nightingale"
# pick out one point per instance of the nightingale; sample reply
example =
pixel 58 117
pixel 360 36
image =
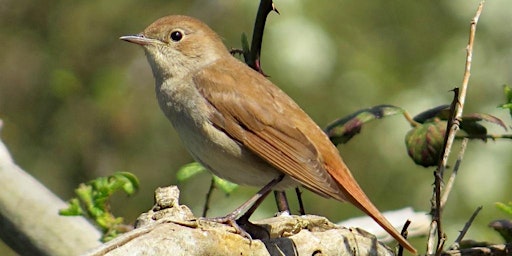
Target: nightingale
pixel 237 123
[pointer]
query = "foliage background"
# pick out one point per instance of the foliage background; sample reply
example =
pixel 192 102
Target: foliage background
pixel 78 103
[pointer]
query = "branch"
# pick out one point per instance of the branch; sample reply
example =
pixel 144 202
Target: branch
pixel 171 229
pixel 491 250
pixel 453 127
pixel 266 6
pixel 29 220
pixel 466 228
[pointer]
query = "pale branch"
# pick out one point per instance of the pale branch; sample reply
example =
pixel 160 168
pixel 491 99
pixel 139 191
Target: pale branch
pixel 29 216
pixel 451 181
pixel 171 229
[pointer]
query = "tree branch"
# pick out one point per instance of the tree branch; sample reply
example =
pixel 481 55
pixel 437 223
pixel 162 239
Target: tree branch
pixel 29 219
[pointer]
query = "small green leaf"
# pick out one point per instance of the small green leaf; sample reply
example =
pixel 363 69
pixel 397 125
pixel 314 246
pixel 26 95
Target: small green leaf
pixel 128 182
pixel 92 200
pixel 342 130
pixel 189 170
pixel 506 208
pixel 73 209
pixel 508 95
pixel 224 185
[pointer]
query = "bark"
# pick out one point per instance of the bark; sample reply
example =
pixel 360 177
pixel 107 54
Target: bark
pixel 171 229
pixel 29 219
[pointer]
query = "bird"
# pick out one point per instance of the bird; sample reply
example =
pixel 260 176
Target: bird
pixel 237 123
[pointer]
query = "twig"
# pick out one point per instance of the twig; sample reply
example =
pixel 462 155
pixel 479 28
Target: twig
pixel 435 227
pixel 208 197
pixel 404 233
pixel 463 232
pixel 410 119
pixel 451 181
pixel 452 128
pixel 489 250
pixel 266 6
pixel 484 137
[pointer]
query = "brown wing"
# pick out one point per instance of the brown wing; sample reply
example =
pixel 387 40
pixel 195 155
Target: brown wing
pixel 260 116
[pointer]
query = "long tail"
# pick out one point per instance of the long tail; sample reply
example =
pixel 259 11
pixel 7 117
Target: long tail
pixel 352 193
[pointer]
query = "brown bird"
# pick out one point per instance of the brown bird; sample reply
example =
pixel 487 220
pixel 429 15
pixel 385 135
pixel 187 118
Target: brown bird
pixel 237 123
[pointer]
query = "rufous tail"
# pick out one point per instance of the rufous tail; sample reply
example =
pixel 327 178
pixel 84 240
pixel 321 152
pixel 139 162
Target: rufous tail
pixel 354 194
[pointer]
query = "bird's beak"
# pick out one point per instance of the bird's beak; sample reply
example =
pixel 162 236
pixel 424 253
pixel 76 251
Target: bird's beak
pixel 139 39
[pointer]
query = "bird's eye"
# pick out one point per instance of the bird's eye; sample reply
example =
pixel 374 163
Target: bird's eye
pixel 176 36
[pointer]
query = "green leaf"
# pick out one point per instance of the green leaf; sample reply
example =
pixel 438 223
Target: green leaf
pixel 508 95
pixel 506 208
pixel 224 185
pixel 342 130
pixel 127 181
pixel 469 123
pixel 73 209
pixel 189 170
pixel 92 200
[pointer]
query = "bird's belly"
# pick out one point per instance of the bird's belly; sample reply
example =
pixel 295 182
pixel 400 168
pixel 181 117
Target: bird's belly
pixel 227 158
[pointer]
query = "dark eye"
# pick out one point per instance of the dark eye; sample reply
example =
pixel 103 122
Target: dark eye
pixel 176 36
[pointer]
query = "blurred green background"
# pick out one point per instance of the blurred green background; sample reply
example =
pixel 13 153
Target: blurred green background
pixel 78 103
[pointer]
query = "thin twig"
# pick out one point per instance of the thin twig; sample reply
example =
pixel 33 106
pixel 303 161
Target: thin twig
pixel 438 183
pixel 451 181
pixel 463 232
pixel 404 233
pixel 453 127
pixel 266 6
pixel 410 119
pixel 484 136
pixel 208 197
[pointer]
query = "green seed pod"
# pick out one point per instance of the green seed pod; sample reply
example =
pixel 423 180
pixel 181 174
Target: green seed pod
pixel 425 142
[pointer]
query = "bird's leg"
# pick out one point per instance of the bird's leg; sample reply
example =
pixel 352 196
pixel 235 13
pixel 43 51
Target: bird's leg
pixel 253 203
pixel 281 201
pixel 299 198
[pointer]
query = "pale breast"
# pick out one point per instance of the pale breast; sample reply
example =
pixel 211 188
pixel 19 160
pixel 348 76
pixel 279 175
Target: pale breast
pixel 188 112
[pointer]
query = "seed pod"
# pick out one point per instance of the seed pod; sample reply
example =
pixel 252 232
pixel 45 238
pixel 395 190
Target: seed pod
pixel 425 142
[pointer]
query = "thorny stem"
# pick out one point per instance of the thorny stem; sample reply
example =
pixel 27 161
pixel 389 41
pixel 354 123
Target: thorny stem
pixel 453 127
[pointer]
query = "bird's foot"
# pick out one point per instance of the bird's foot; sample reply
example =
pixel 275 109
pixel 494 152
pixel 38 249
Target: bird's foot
pixel 242 226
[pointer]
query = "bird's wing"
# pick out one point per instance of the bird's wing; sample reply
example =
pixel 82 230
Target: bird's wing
pixel 257 114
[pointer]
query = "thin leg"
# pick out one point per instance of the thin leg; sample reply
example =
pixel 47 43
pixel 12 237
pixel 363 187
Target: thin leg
pixel 299 198
pixel 281 201
pixel 253 203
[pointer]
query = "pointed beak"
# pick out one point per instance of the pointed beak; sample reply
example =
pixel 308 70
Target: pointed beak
pixel 139 39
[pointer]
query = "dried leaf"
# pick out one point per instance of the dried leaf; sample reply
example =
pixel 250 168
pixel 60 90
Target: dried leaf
pixel 342 130
pixel 442 112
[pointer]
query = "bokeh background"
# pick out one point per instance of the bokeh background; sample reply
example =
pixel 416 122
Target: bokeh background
pixel 78 103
